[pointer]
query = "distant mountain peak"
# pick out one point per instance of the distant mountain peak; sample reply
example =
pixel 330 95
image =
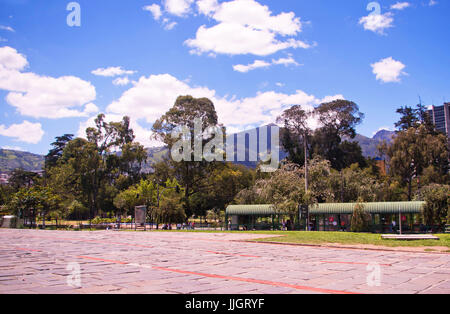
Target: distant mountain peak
pixel 384 135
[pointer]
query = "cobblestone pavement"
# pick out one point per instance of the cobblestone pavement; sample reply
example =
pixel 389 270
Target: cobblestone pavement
pixel 33 261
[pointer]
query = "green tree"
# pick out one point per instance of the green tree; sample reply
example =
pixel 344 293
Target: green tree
pixel 192 175
pixel 408 118
pixel 56 152
pixel 337 119
pixel 21 178
pixel 126 200
pixel 353 183
pixel 360 221
pixel 415 149
pixel 285 189
pixel 296 122
pixel 5 194
pixel 224 183
pixel 34 201
pixel 437 204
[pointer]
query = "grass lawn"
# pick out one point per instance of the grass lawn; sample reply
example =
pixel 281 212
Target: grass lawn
pixel 303 237
pixel 355 238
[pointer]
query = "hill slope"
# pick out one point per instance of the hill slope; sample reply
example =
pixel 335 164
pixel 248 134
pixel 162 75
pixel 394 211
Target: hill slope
pixel 369 145
pixel 12 159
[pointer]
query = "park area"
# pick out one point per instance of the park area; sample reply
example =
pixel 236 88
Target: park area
pixel 181 262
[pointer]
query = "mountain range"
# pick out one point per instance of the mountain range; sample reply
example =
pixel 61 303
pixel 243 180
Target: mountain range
pixel 12 159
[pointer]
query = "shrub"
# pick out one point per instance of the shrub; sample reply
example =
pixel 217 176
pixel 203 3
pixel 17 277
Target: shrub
pixel 436 209
pixel 360 219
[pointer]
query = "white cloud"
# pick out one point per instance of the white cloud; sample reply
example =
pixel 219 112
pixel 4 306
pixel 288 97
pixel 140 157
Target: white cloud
pixel 207 7
pixel 263 64
pixel 400 5
pixel 11 59
pixel 245 27
pixel 143 135
pixel 388 70
pixel 169 26
pixel 256 16
pixel 286 61
pixel 155 10
pixel 280 84
pixel 255 65
pixel 42 96
pixel 121 81
pixel 432 3
pixel 17 148
pixel 178 7
pixel 7 28
pixel 27 132
pixel 89 109
pixel 153 96
pixel 377 23
pixel 112 71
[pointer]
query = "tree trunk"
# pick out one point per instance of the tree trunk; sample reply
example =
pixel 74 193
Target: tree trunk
pixel 306 162
pixel 409 189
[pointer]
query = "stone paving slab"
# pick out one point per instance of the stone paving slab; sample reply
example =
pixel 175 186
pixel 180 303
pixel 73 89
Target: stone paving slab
pixel 34 261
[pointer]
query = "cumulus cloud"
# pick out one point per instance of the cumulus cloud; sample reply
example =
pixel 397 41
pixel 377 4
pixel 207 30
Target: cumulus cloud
pixel 42 96
pixel 255 65
pixel 121 81
pixel 26 132
pixel 143 135
pixel 377 23
pixel 12 60
pixel 112 71
pixel 388 70
pixel 263 64
pixel 153 96
pixel 207 7
pixel 155 10
pixel 286 61
pixel 169 25
pixel 245 27
pixel 400 5
pixel 178 7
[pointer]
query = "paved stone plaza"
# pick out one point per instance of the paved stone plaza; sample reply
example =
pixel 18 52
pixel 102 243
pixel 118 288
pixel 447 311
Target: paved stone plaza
pixel 34 261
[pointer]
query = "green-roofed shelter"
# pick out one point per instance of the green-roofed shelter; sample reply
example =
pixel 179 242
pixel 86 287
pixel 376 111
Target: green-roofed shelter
pixel 386 216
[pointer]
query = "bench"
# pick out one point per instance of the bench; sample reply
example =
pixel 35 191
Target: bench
pixel 447 228
pixel 409 237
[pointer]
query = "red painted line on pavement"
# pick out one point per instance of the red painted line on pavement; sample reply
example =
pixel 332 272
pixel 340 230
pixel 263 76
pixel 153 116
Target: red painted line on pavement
pixel 233 254
pixel 263 282
pixel 351 263
pixel 249 280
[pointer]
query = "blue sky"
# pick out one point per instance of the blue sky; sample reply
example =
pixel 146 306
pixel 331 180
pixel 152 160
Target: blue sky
pixel 252 58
